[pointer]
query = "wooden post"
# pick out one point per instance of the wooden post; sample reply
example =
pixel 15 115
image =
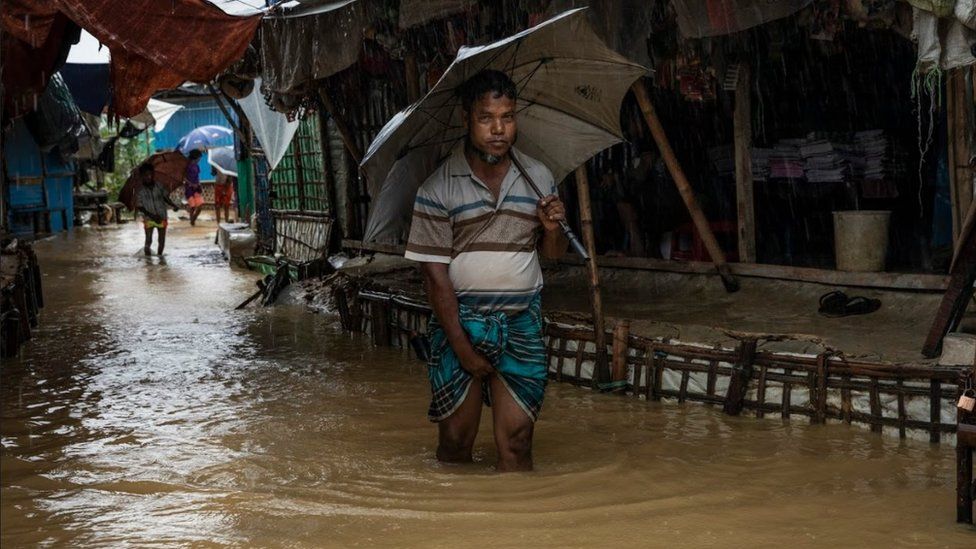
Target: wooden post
pixel 739 381
pixel 601 372
pixel 965 445
pixel 412 75
pixel 684 187
pixel 621 333
pixel 347 136
pixel 958 107
pixel 744 195
pixel 379 311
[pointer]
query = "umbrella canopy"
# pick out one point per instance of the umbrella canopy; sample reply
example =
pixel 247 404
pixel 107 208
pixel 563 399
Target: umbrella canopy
pixel 570 88
pixel 223 159
pixel 169 168
pixel 205 137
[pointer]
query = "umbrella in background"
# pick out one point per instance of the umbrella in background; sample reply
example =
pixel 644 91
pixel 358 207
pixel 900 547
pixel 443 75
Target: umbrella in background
pixel 205 137
pixel 223 159
pixel 571 86
pixel 169 169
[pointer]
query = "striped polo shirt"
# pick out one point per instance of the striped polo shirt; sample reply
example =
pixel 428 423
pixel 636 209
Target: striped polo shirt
pixel 489 246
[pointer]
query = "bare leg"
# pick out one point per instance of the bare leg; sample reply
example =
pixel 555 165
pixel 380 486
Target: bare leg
pixel 513 429
pixel 162 240
pixel 227 214
pixel 457 432
pixel 217 212
pixel 146 246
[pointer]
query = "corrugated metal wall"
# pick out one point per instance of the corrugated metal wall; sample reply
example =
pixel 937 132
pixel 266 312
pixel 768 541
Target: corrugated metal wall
pixel 195 113
pixel 36 181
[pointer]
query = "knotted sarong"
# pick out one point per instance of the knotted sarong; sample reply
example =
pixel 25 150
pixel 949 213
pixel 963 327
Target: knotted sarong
pixel 512 344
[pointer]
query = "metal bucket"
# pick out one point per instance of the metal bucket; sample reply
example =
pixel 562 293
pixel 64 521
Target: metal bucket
pixel 861 240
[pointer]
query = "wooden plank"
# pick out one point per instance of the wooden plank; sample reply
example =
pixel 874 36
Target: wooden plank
pixel 874 397
pixel 741 374
pixel 658 378
pixel 562 358
pixel 787 395
pixel 821 388
pixel 902 413
pixel 761 392
pixel 621 333
pixel 935 410
pixel 712 377
pixel 580 347
pixel 895 281
pixel 965 443
pixel 744 192
pixel 683 386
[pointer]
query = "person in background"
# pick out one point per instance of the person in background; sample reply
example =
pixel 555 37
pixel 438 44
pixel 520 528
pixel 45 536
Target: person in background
pixel 223 191
pixel 153 200
pixel 192 188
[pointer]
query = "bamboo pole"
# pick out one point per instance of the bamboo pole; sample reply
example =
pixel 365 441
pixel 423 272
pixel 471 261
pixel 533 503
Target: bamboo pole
pixel 684 187
pixel 601 371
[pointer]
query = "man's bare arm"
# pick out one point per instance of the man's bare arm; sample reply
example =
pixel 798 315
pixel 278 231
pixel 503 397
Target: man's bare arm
pixel 444 302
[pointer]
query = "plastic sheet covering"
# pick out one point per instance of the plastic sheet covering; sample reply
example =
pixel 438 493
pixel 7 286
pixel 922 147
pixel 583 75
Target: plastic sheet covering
pixel 56 123
pixel 701 18
pixel 273 130
pixel 418 12
pixel 297 48
pixel 571 86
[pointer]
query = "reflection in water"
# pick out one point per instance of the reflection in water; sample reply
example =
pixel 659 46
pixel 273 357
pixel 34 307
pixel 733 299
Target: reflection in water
pixel 148 411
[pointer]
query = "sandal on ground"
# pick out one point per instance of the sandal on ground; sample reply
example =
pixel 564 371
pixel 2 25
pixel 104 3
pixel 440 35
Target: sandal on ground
pixel 837 304
pixel 833 304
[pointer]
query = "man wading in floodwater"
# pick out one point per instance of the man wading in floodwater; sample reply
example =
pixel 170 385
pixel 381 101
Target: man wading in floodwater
pixel 477 225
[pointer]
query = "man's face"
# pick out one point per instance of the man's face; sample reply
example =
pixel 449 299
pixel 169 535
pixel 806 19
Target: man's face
pixel 491 125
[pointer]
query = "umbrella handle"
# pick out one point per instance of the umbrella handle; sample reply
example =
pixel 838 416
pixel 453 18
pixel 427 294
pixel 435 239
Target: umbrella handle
pixel 574 241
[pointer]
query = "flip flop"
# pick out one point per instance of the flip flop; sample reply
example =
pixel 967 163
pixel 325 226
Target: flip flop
pixel 836 304
pixel 860 305
pixel 833 304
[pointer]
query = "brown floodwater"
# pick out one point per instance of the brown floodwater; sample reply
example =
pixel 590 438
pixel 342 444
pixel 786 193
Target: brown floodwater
pixel 146 412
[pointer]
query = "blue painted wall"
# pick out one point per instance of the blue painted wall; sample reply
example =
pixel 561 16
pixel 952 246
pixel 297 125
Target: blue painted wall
pixel 195 113
pixel 36 179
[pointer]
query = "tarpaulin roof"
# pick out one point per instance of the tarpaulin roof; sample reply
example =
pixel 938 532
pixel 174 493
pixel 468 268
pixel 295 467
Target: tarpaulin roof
pixel 155 45
pixel 310 44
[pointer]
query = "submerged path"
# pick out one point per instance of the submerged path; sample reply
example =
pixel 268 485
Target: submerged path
pixel 147 412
